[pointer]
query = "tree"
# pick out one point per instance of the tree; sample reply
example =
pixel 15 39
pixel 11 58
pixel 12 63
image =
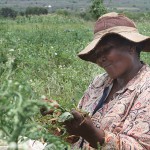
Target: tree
pixel 8 12
pixel 97 8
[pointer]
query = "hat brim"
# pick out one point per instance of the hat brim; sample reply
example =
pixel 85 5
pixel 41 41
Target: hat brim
pixel 89 55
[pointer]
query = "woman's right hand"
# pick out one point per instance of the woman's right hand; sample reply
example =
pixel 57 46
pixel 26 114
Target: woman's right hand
pixel 45 111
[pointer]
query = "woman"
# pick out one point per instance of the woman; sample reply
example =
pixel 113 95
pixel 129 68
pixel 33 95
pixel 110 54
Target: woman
pixel 119 100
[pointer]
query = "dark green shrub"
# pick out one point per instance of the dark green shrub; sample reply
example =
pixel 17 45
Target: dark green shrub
pixel 97 8
pixel 36 11
pixel 8 12
pixel 22 13
pixel 63 12
pixel 85 15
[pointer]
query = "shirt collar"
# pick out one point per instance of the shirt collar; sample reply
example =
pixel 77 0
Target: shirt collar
pixel 134 82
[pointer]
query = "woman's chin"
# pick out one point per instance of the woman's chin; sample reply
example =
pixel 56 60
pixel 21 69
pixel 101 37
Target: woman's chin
pixel 113 75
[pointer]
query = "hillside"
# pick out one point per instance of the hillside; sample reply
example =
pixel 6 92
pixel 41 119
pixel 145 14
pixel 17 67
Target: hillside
pixel 77 5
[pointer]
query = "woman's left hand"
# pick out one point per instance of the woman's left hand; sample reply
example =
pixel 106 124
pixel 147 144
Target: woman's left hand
pixel 79 125
pixel 83 126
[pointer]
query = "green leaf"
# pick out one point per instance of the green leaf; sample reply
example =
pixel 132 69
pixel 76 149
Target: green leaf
pixel 66 116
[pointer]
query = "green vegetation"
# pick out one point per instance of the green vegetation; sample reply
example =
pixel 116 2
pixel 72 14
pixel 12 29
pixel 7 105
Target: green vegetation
pixel 39 57
pixel 36 11
pixel 77 5
pixel 86 9
pixel 8 13
pixel 97 8
pixel 128 5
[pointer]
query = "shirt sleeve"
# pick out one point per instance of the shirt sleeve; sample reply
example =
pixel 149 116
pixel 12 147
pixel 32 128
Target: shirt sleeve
pixel 135 133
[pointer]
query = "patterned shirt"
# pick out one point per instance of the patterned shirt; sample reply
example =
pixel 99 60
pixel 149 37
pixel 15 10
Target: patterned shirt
pixel 129 108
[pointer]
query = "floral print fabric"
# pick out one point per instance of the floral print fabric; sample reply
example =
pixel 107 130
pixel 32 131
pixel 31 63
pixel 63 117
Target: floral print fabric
pixel 129 109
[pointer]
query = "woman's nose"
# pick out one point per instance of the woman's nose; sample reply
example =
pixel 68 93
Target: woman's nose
pixel 103 58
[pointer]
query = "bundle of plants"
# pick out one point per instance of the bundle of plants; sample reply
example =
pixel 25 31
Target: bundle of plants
pixel 54 118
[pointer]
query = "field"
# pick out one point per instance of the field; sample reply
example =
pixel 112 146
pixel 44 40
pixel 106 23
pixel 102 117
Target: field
pixel 45 50
pixel 38 58
pixel 39 55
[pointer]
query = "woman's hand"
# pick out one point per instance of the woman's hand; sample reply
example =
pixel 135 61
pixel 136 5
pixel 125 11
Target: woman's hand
pixel 83 126
pixel 79 124
pixel 44 111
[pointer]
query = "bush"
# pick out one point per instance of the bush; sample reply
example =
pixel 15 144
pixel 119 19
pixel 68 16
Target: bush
pixel 62 12
pixel 85 15
pixel 36 11
pixel 22 13
pixel 19 106
pixel 97 8
pixel 8 12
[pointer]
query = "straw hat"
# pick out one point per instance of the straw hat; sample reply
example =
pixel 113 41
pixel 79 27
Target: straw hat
pixel 114 23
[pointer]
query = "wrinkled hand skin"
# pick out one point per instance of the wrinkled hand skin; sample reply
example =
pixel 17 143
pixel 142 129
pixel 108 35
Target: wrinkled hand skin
pixel 79 124
pixel 83 126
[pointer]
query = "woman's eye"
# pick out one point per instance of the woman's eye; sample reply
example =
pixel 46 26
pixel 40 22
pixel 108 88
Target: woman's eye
pixel 103 51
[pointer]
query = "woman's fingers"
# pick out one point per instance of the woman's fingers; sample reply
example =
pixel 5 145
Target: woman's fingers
pixel 77 115
pixel 72 125
pixel 45 111
pixel 69 125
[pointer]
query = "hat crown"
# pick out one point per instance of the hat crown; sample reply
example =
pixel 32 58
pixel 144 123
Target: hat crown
pixel 114 23
pixel 112 19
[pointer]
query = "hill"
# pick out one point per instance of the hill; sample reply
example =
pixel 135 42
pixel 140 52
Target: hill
pixel 78 5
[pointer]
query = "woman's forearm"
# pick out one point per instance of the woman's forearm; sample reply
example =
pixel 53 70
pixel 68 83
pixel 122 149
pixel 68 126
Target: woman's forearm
pixel 96 137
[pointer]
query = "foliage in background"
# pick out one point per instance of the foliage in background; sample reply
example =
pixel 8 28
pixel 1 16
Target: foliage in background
pixel 78 5
pixel 63 12
pixel 97 8
pixel 89 14
pixel 43 51
pixel 8 13
pixel 137 16
pixel 36 11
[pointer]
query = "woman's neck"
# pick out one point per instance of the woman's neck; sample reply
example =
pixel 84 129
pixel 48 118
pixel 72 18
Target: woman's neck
pixel 128 75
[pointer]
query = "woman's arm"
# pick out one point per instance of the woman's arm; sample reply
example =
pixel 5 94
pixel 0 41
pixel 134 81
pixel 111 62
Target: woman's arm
pixel 84 127
pixel 135 133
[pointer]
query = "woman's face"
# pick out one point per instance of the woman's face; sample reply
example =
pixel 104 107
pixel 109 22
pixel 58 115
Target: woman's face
pixel 115 57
